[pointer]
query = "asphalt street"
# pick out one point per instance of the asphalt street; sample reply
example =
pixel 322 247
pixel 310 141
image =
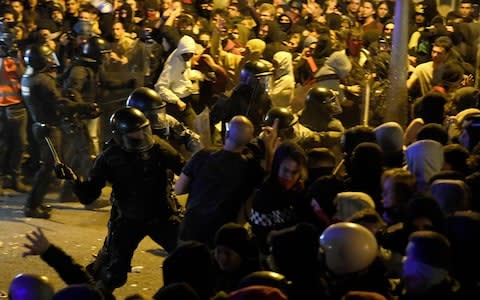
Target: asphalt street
pixel 77 230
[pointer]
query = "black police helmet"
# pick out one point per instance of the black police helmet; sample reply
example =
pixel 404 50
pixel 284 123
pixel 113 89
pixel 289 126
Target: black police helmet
pixel 320 94
pixel 254 68
pixel 145 99
pixel 285 117
pixel 93 50
pixel 40 57
pixel 128 119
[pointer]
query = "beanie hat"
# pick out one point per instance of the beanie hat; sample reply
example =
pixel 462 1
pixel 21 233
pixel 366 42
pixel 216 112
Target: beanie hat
pixel 257 292
pixel 390 137
pixel 233 236
pixel 430 248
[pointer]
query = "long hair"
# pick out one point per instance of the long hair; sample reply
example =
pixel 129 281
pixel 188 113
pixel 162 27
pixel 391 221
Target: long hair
pixel 289 150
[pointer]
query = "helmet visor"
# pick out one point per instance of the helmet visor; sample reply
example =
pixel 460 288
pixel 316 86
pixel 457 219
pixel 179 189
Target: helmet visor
pixel 157 118
pixel 333 103
pixel 53 62
pixel 137 141
pixel 265 82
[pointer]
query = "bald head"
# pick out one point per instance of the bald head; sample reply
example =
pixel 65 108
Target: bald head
pixel 240 131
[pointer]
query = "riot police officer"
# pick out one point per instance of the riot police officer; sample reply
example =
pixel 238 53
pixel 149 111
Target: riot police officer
pixel 321 104
pixel 289 128
pixel 136 163
pixel 163 124
pixel 83 78
pixel 81 140
pixel 250 97
pixel 46 106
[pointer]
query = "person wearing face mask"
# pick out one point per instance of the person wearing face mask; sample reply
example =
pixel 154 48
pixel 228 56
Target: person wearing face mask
pixel 137 164
pixel 175 82
pixel 285 23
pixel 279 202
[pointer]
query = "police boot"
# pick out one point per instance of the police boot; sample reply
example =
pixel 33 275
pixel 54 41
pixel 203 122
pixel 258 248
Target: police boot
pixel 36 212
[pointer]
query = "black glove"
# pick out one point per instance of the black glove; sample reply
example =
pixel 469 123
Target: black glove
pixel 65 172
pixel 95 111
pixel 90 110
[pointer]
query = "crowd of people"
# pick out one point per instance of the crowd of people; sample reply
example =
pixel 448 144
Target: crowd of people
pixel 271 117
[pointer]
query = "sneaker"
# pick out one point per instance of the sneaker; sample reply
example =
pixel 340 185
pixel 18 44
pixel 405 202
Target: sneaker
pixel 37 212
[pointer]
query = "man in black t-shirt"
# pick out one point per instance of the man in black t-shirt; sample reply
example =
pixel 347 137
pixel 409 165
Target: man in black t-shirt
pixel 219 182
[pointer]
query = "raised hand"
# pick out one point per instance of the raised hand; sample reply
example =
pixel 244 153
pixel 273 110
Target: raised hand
pixel 38 243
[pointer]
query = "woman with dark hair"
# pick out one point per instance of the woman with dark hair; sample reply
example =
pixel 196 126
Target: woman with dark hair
pixel 281 199
pixel 383 12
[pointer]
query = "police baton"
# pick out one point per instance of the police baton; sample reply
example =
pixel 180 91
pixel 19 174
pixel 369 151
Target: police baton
pixel 56 158
pixel 60 172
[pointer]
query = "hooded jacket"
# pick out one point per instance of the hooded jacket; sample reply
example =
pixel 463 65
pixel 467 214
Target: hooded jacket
pixel 175 82
pixel 424 159
pixel 284 80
